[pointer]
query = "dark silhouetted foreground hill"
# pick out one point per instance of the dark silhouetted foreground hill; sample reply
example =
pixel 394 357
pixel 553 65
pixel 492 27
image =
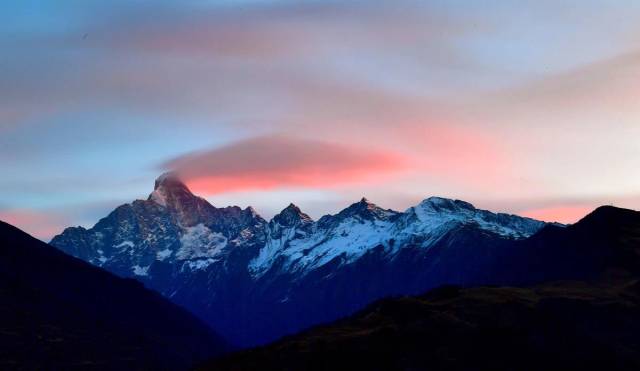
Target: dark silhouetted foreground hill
pixel 589 319
pixel 60 313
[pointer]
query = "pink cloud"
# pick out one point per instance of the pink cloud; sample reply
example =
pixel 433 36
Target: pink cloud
pixel 442 148
pixel 460 154
pixel 560 213
pixel 279 161
pixel 39 224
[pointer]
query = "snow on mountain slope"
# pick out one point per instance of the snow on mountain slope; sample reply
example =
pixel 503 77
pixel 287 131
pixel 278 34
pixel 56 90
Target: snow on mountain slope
pixel 435 211
pixel 363 226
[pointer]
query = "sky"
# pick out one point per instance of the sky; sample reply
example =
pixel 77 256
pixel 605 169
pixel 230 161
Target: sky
pixel 527 107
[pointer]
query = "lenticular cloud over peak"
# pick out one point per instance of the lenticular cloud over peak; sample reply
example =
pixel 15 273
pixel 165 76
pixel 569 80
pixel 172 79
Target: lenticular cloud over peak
pixel 283 161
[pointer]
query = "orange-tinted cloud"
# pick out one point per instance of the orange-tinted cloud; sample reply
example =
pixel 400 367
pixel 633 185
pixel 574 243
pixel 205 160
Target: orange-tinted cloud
pixel 270 162
pixel 561 214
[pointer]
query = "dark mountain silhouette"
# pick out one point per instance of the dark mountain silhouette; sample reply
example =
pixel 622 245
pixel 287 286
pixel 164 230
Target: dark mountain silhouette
pixel 580 311
pixel 60 313
pixel 604 244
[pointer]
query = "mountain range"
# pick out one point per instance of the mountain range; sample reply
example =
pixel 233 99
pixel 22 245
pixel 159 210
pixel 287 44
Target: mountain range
pixel 255 280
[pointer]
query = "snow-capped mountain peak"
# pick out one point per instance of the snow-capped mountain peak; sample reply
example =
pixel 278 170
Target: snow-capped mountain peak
pixel 437 204
pixel 251 211
pixel 435 211
pixel 363 210
pixel 169 190
pixel 292 216
pixel 168 180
